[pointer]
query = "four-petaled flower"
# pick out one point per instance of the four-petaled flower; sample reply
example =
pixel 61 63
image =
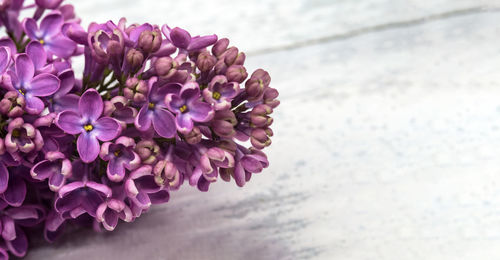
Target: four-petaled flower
pixel 220 92
pixel 49 35
pixel 120 155
pixel 89 124
pixel 24 81
pixel 154 112
pixel 188 107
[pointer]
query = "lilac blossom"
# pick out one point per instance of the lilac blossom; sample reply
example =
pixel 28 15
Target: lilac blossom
pixel 120 155
pixel 24 81
pixel 49 34
pixel 89 124
pixel 188 107
pixel 154 109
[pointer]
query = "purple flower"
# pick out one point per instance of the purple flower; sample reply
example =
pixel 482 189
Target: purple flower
pixel 220 93
pixel 22 137
pixel 56 168
pixel 32 87
pixel 49 35
pixel 154 111
pixel 120 156
pixel 209 162
pixel 89 124
pixel 143 189
pixel 12 219
pixel 106 43
pixel 181 39
pixel 79 197
pixel 188 107
pixel 48 4
pixel 110 211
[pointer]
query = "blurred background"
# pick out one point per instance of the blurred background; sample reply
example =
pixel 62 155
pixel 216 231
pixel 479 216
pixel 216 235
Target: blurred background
pixel 386 142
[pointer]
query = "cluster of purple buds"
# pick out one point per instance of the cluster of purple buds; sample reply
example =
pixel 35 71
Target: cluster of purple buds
pixel 155 108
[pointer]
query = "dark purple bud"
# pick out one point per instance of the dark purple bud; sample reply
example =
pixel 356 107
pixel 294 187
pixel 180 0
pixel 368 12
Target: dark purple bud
pixel 220 47
pixel 150 41
pixel 135 59
pixel 270 95
pixel 12 104
pixel 256 85
pixel 236 73
pixel 230 56
pixel 220 67
pixel 205 61
pixel 164 66
pixel 194 136
pixel 67 11
pixel 240 59
pixel 260 116
pixel 148 151
pixel 260 138
pixel 223 123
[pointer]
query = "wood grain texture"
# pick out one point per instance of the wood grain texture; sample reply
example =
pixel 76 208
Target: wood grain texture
pixel 386 142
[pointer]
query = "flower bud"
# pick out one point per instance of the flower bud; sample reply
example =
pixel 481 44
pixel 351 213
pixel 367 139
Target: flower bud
pixel 148 151
pixel 260 138
pixel 220 67
pixel 240 59
pixel 236 73
pixel 164 66
pixel 150 41
pixel 256 85
pixel 194 136
pixel 230 56
pixel 223 124
pixel 270 95
pixel 134 59
pixel 135 90
pixel 205 61
pixel 259 116
pixel 12 104
pixel 220 47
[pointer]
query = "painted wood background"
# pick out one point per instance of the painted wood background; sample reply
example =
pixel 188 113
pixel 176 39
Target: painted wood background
pixel 387 141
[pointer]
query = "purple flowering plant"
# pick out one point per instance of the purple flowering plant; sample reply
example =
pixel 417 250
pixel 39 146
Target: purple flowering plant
pixel 155 108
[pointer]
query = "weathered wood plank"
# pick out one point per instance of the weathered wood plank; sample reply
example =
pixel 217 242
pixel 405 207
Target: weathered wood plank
pixel 386 147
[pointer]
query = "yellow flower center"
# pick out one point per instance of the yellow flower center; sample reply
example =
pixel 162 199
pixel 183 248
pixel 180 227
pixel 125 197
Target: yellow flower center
pixel 216 95
pixel 42 41
pixel 151 105
pixel 21 91
pixel 117 153
pixel 88 127
pixel 16 133
pixel 183 108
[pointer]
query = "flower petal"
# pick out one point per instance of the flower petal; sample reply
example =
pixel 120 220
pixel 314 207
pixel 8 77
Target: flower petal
pixel 16 192
pixel 4 59
pixel 91 105
pixel 61 46
pixel 201 111
pixel 4 177
pixel 18 246
pixel 70 122
pixel 184 123
pixel 44 85
pixel 106 129
pixel 143 119
pixel 116 170
pixel 88 147
pixel 164 123
pixel 31 29
pixel 34 105
pixel 24 68
pixel 51 24
pixel 44 170
pixel 180 37
pixel 37 54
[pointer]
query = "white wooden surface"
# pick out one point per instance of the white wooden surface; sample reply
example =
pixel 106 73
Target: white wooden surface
pixel 386 143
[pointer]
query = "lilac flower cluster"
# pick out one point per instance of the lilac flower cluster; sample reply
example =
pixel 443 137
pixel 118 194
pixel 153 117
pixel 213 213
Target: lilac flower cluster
pixel 154 108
